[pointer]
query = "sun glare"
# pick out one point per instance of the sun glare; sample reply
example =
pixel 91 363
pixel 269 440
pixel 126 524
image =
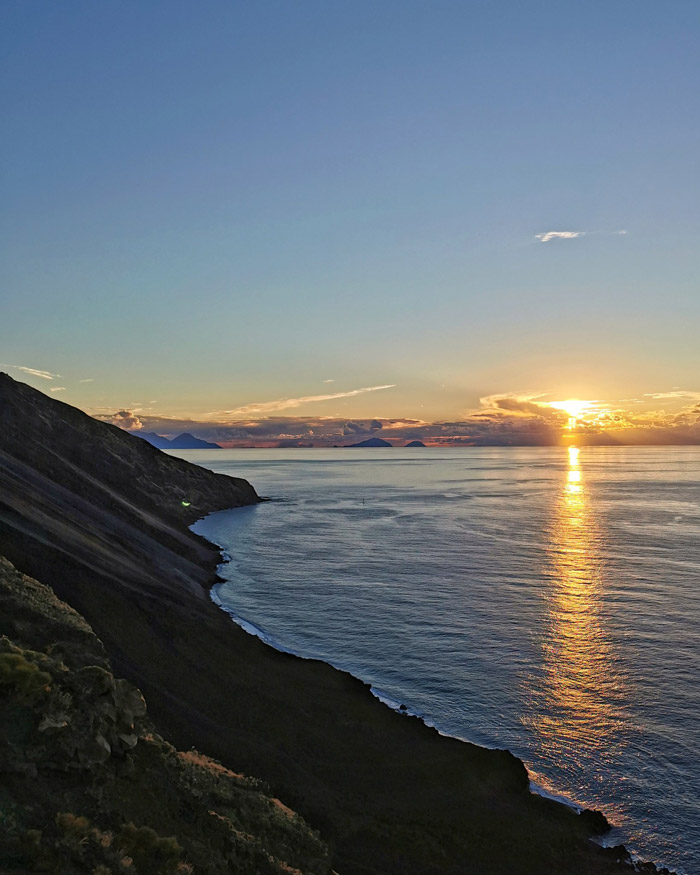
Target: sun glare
pixel 576 409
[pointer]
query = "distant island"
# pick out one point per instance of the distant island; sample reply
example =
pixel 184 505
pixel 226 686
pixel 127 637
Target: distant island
pixel 380 442
pixel 184 441
pixel 372 442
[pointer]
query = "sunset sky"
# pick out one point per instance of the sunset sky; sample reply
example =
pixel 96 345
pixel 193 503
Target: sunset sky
pixel 288 219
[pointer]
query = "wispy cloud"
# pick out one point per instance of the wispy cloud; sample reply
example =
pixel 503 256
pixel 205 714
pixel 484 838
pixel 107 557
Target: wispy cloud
pixel 58 389
pixel 33 372
pixel 89 380
pixel 671 396
pixel 548 236
pixel 260 407
pixel 329 381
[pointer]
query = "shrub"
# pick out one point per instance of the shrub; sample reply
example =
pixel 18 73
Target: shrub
pixel 73 827
pixel 151 853
pixel 21 678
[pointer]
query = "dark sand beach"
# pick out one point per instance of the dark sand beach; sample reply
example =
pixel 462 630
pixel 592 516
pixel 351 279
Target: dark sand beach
pixel 98 516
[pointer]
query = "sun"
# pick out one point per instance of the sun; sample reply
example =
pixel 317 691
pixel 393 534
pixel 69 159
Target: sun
pixel 572 406
pixel 576 409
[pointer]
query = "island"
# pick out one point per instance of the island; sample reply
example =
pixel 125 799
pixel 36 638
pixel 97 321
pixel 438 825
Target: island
pixel 372 442
pixel 184 441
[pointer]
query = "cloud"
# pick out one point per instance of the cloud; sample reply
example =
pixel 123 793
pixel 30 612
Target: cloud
pixel 547 236
pixel 125 419
pixel 516 405
pixel 328 381
pixel 354 428
pixel 679 393
pixel 58 389
pixel 258 407
pixel 497 425
pixel 89 380
pixel 33 372
pixel 503 419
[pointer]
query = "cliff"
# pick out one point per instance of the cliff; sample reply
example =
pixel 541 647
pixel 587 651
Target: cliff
pixel 98 515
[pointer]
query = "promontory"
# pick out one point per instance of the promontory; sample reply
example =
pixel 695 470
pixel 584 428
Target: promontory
pixel 105 593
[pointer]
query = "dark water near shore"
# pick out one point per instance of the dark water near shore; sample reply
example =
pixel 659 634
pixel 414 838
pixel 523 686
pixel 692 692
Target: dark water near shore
pixel 543 600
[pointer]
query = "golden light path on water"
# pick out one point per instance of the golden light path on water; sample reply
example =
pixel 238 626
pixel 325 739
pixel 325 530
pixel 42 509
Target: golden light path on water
pixel 580 705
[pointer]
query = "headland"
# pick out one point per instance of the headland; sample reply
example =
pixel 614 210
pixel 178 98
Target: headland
pixel 102 518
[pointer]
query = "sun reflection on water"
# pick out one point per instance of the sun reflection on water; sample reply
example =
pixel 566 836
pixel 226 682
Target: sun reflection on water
pixel 580 702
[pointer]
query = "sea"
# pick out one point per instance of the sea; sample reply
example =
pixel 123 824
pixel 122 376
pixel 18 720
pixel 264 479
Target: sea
pixel 544 600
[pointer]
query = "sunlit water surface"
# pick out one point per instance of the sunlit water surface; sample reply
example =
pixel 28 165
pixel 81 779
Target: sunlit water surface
pixel 543 600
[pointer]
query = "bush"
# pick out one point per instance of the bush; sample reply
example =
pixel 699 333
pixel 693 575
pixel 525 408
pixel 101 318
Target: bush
pixel 21 678
pixel 73 827
pixel 152 854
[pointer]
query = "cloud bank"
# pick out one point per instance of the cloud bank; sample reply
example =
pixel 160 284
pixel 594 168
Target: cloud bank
pixel 506 419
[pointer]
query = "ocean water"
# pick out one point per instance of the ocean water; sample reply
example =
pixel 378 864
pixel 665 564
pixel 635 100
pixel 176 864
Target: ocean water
pixel 546 600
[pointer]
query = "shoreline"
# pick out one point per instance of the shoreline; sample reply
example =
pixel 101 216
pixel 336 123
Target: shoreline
pixel 98 515
pixel 392 704
pixel 605 839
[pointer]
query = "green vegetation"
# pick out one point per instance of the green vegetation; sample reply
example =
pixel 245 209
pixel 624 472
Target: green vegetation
pixel 87 786
pixel 20 677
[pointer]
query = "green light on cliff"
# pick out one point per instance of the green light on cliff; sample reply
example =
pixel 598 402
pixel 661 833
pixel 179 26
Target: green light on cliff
pixel 185 503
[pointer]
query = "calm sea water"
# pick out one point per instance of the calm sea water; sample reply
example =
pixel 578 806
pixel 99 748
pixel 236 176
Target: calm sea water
pixel 543 600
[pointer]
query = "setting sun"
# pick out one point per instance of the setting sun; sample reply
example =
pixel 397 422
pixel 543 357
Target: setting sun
pixel 574 408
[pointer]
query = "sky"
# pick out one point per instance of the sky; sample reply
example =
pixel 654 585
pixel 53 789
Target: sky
pixel 286 221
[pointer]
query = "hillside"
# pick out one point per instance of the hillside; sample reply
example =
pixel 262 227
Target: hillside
pixel 86 780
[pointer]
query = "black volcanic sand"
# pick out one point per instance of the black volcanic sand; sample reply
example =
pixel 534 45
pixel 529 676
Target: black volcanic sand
pixel 98 515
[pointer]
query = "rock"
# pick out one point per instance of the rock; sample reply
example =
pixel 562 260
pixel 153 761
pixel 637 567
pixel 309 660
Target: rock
pixel 596 822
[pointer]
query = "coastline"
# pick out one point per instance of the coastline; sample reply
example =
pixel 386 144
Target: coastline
pixel 97 515
pixel 610 838
pixel 604 839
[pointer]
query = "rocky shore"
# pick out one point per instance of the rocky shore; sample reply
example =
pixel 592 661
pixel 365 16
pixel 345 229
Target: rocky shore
pixel 101 518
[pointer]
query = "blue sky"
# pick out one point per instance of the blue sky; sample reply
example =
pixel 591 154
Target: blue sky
pixel 214 205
